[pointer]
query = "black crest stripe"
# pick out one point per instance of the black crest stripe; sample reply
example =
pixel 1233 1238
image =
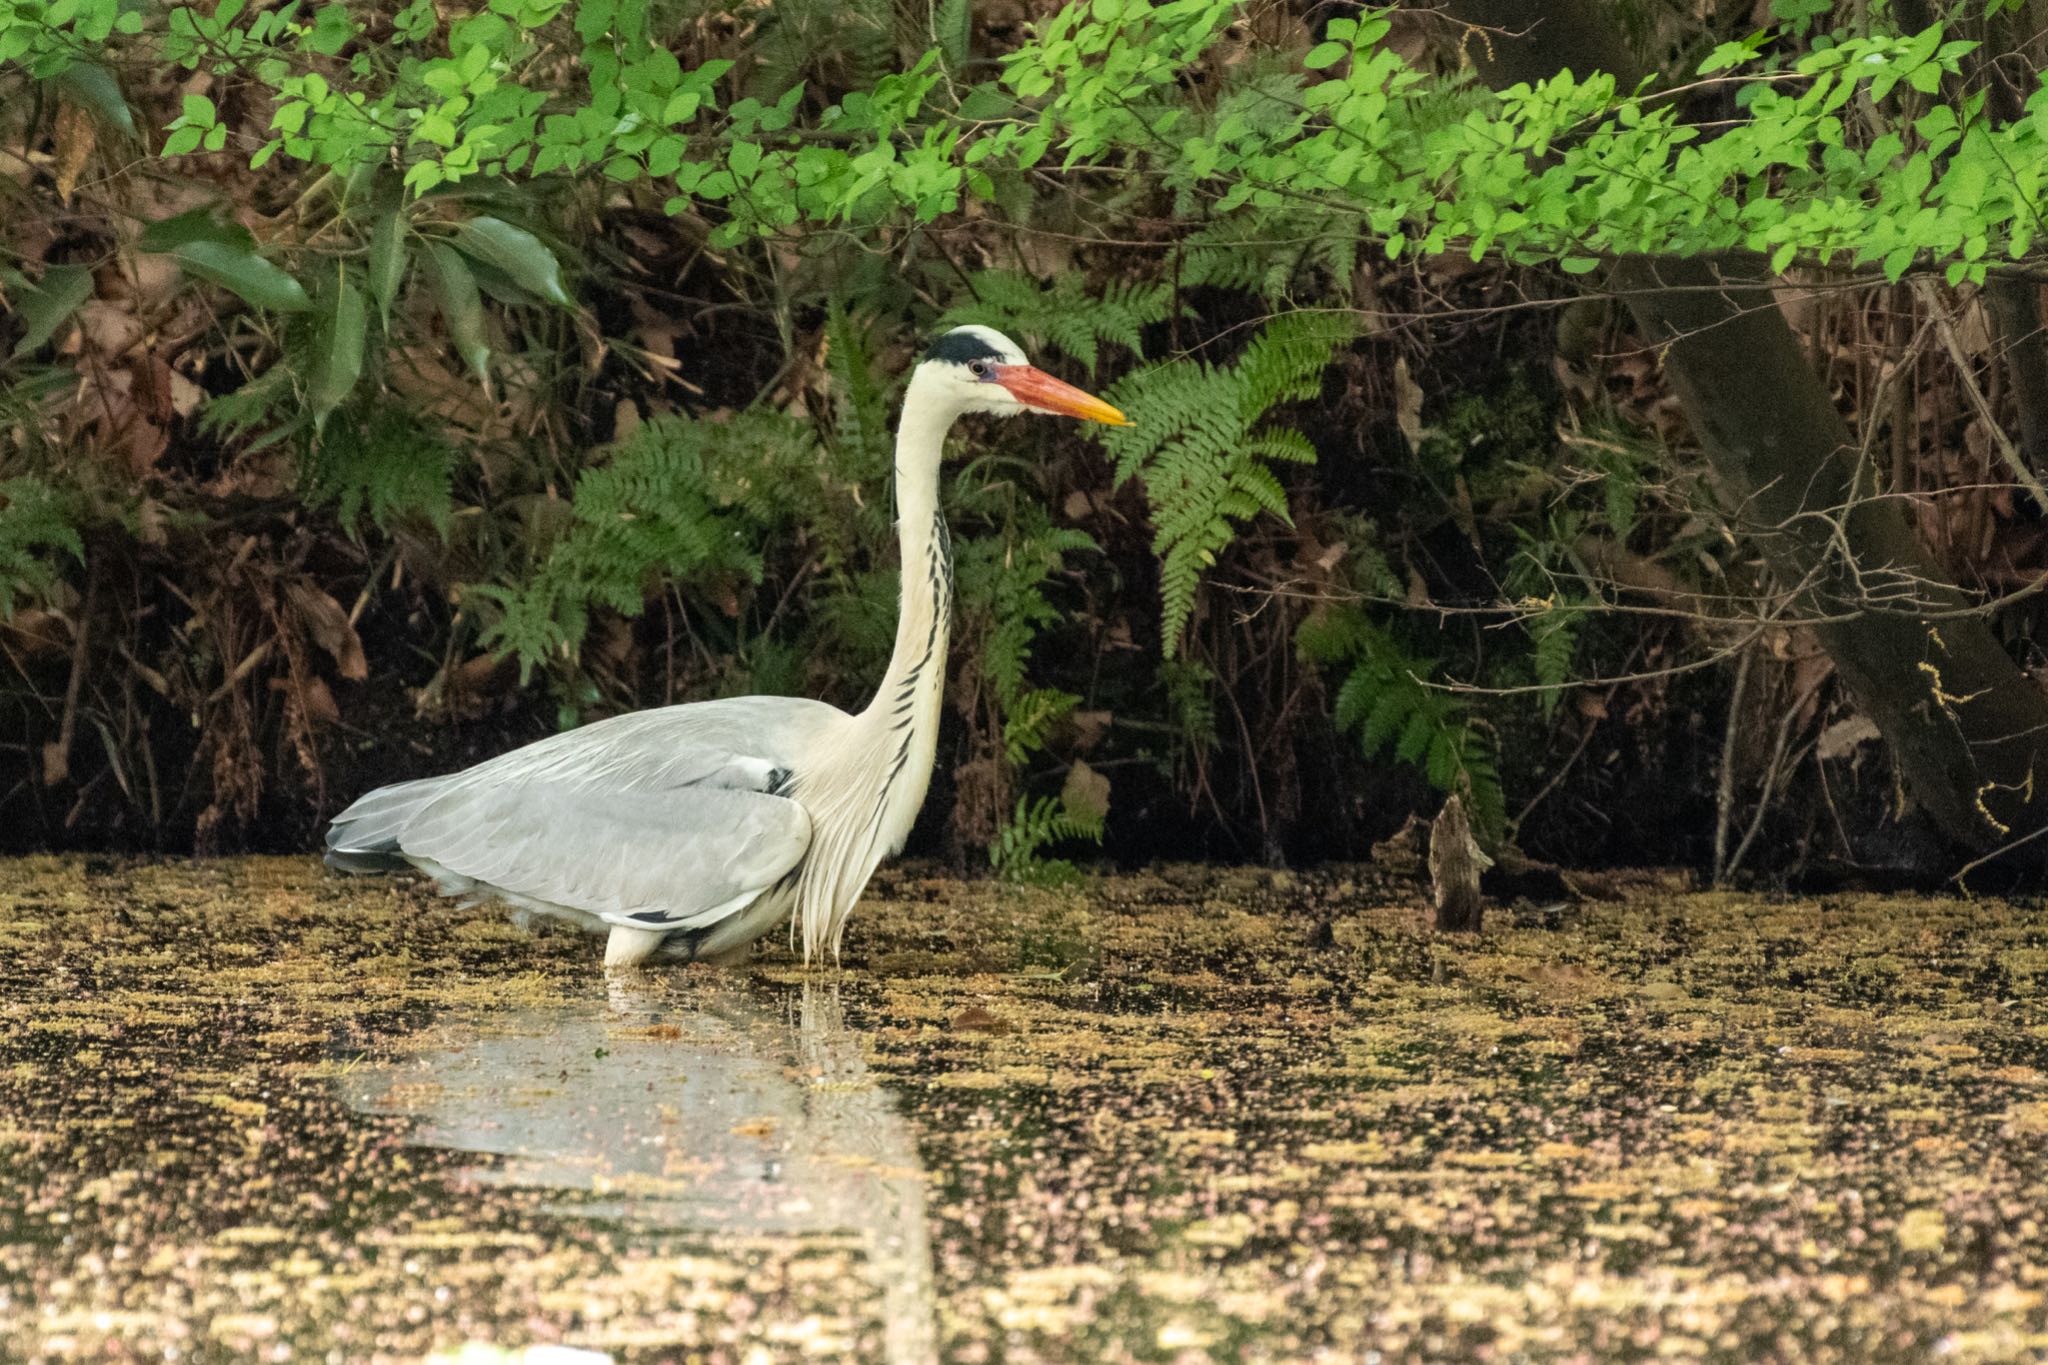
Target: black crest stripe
pixel 960 347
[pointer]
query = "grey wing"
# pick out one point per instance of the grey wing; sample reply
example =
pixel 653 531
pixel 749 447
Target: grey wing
pixel 653 819
pixel 680 858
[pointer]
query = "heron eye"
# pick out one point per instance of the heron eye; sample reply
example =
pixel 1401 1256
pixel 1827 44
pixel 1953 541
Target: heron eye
pixel 978 368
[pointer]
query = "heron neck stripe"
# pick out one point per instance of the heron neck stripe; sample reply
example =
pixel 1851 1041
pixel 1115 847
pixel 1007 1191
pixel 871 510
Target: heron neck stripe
pixel 939 573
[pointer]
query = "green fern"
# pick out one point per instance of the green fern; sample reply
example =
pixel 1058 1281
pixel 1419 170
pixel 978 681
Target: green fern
pixel 1385 700
pixel 1555 613
pixel 1069 313
pixel 1015 854
pixel 856 620
pixel 1002 592
pixel 846 508
pixel 1003 606
pixel 830 45
pixel 861 432
pixel 1554 635
pixel 1200 444
pixel 1190 687
pixel 953 31
pixel 1272 257
pixel 1030 716
pixel 650 514
pixel 238 414
pixel 35 527
pixel 386 462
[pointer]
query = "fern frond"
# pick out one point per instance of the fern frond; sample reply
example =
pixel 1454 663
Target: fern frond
pixel 35 528
pixel 649 517
pixel 831 44
pixel 1001 590
pixel 861 433
pixel 1066 313
pixel 1384 700
pixel 1030 718
pixel 1035 824
pixel 387 463
pixel 1272 255
pixel 1555 637
pixel 953 31
pixel 237 414
pixel 1197 445
pixel 1190 701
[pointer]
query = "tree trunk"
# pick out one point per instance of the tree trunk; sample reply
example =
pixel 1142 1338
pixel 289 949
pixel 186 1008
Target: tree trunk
pixel 1965 725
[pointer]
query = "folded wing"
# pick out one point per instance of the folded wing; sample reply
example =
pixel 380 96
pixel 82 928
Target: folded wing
pixel 681 858
pixel 655 820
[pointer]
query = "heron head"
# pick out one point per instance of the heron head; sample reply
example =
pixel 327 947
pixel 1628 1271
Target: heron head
pixel 981 370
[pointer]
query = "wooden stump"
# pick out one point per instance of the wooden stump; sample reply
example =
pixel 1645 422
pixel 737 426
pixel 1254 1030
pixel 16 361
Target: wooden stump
pixel 1455 862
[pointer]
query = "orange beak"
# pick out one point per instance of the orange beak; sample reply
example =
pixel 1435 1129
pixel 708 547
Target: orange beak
pixel 1036 389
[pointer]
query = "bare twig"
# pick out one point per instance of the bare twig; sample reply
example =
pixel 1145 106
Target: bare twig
pixel 1724 793
pixel 1966 375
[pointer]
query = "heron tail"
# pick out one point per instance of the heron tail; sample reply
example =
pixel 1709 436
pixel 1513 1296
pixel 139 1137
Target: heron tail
pixel 365 837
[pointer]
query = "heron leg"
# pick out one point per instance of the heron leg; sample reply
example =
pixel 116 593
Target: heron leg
pixel 630 947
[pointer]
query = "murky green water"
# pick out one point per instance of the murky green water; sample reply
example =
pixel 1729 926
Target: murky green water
pixel 251 1112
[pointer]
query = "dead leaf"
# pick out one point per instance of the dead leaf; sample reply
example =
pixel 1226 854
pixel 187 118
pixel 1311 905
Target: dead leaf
pixel 1973 330
pixel 1455 862
pixel 315 699
pixel 1086 791
pixel 1087 729
pixel 1407 404
pixel 75 141
pixel 186 396
pixel 1844 737
pixel 625 419
pixel 36 633
pixel 1418 590
pixel 329 626
pixel 110 328
pixel 150 385
pixel 975 1019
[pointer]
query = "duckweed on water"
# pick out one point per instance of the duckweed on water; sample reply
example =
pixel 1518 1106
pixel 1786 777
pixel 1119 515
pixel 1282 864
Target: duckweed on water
pixel 247 1110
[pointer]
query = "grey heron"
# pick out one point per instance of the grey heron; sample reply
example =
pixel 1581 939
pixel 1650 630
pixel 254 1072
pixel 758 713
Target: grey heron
pixel 692 830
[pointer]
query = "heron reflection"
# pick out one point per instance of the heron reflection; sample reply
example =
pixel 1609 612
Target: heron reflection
pixel 716 1107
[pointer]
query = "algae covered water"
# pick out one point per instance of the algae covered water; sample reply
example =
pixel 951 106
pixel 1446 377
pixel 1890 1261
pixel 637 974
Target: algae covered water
pixel 251 1111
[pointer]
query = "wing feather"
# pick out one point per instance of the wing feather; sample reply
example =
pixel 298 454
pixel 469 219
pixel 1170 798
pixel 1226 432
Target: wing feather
pixel 679 859
pixel 673 818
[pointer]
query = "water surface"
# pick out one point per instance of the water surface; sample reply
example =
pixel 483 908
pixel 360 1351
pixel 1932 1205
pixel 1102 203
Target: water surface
pixel 251 1112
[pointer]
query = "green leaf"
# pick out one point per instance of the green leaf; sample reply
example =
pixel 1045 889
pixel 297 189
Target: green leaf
pixel 93 86
pixel 341 353
pixel 1325 55
pixel 985 101
pixel 521 256
pixel 194 225
pixel 241 271
pixel 43 307
pixel 462 307
pixel 387 262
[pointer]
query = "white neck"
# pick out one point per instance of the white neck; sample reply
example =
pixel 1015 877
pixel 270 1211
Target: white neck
pixel 917 665
pixel 864 801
